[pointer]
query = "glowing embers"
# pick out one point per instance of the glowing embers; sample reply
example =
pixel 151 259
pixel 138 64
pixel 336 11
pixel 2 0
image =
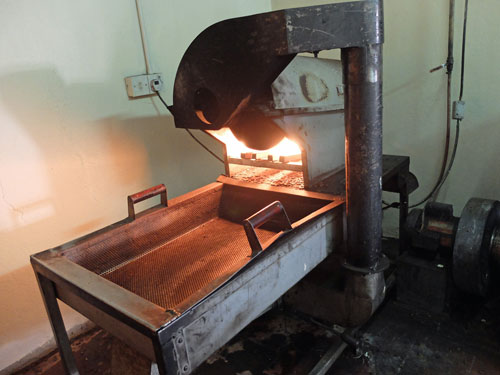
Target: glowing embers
pixel 285 152
pixel 268 176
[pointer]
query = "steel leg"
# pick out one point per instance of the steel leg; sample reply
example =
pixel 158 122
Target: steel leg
pixel 49 299
pixel 160 354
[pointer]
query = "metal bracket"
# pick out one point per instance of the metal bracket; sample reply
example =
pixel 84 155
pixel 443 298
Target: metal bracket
pixel 181 353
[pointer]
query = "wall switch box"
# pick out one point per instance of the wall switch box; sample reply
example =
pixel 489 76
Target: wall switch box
pixel 458 110
pixel 143 85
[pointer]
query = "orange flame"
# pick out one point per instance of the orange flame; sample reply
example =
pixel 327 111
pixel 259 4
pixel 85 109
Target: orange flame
pixel 235 147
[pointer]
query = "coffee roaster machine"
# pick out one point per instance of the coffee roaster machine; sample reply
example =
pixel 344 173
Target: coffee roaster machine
pixel 177 281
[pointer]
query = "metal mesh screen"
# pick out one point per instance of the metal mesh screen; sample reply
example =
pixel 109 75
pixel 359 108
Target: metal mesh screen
pixel 174 256
pixel 127 242
pixel 173 272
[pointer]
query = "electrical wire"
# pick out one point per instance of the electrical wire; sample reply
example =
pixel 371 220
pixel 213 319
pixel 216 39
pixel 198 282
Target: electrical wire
pixel 435 191
pixel 442 172
pixel 445 172
pixel 205 147
pixel 452 159
pixel 390 205
pixel 191 134
pixel 164 103
pixel 449 65
pixel 148 69
pixel 462 75
pixel 445 176
pixel 143 38
pixel 464 34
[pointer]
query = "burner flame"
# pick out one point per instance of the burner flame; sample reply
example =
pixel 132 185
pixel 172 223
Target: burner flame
pixel 235 147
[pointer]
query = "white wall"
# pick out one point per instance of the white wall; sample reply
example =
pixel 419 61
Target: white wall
pixel 415 100
pixel 72 145
pixel 416 35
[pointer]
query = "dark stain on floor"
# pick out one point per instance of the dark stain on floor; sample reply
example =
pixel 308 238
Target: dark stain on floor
pixel 92 352
pixel 277 343
pixel 398 340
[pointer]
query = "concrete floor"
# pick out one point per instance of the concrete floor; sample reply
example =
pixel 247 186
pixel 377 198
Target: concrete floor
pixel 92 353
pixel 398 340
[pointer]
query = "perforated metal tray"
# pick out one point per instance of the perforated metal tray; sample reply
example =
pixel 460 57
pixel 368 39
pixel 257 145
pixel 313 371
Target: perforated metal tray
pixel 137 277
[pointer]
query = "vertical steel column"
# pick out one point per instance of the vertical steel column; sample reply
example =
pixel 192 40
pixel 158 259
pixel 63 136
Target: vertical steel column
pixel 363 141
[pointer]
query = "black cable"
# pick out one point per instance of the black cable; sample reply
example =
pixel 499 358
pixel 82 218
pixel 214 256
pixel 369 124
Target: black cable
pixel 205 147
pixel 464 33
pixel 446 151
pixel 390 205
pixel 445 176
pixel 462 75
pixel 452 159
pixel 435 191
pixel 191 134
pixel 446 146
pixel 163 101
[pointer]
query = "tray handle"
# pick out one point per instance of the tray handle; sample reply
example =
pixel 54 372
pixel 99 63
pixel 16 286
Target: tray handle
pixel 260 218
pixel 146 194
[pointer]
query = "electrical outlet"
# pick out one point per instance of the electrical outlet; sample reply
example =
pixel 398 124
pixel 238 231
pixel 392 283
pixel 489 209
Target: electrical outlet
pixel 143 85
pixel 155 82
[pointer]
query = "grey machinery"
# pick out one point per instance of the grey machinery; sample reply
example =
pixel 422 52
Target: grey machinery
pixel 176 282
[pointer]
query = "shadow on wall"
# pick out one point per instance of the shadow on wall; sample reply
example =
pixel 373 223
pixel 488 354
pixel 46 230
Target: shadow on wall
pixel 57 171
pixel 63 174
pixel 23 311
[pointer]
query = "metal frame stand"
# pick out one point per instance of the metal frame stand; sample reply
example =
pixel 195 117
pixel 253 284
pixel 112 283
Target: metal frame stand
pixel 48 292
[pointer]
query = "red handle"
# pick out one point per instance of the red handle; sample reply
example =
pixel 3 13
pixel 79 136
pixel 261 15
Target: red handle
pixel 260 218
pixel 146 194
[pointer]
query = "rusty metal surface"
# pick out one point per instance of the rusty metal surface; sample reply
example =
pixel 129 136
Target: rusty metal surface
pixel 173 272
pixel 118 246
pixel 174 256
